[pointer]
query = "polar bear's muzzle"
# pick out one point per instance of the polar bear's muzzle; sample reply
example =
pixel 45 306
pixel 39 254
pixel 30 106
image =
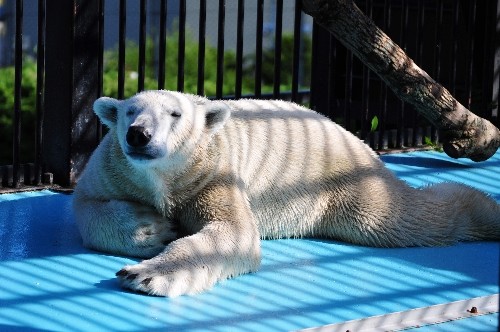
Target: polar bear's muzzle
pixel 138 138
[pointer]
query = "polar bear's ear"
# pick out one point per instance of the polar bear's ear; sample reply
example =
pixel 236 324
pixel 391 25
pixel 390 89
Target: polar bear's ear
pixel 216 115
pixel 106 109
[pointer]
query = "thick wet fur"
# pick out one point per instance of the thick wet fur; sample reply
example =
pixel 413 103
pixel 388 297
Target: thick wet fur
pixel 230 173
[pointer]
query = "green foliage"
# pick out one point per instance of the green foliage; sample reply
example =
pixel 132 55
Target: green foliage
pixel 428 141
pixel 28 112
pixel 191 67
pixel 374 124
pixel 110 80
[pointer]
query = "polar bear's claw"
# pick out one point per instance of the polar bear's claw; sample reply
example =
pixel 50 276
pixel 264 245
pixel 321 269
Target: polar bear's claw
pixel 121 273
pixel 146 281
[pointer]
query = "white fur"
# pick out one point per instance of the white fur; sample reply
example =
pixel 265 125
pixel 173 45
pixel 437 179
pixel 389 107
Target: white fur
pixel 229 173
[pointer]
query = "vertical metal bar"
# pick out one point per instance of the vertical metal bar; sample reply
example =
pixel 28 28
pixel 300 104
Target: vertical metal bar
pixel 72 52
pixel 142 46
pixel 438 52
pixel 297 35
pixel 182 45
pixel 365 90
pixel 438 39
pixel 201 47
pixel 383 116
pixel 456 17
pixel 330 95
pixel 100 61
pixel 40 83
pixel 17 93
pixel 239 49
pixel 58 90
pixel 419 44
pixel 220 50
pixel 470 50
pixel 162 43
pixel 403 135
pixel 258 48
pixel 320 88
pixel 348 90
pixel 277 49
pixel 121 48
pixel 496 64
pixel 487 72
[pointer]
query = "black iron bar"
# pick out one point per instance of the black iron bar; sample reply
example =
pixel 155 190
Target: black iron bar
pixel 416 139
pixel 331 90
pixel 258 48
pixel 182 45
pixel 121 48
pixel 220 50
pixel 438 39
pixel 297 36
pixel 40 82
pixel 439 8
pixel 401 133
pixel 365 95
pixel 470 51
pixel 386 25
pixel 348 89
pixel 487 68
pixel 100 63
pixel 277 48
pixel 454 52
pixel 239 49
pixel 201 47
pixel 162 45
pixel 142 46
pixel 18 49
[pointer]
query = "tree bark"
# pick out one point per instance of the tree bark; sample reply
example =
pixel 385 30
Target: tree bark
pixel 464 134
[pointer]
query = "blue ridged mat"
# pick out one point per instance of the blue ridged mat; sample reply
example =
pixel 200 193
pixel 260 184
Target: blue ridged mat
pixel 49 282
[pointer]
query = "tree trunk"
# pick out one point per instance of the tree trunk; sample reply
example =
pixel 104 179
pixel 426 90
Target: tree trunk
pixel 464 134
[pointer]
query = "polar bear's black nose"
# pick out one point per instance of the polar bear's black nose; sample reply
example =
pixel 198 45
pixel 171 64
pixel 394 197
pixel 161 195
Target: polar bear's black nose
pixel 138 136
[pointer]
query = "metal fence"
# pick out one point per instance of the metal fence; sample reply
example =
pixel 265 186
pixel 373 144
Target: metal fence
pixel 454 41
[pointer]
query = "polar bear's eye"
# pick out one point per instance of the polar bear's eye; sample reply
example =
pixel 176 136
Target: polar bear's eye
pixel 130 112
pixel 176 114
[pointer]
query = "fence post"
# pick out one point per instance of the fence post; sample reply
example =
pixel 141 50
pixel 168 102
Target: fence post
pixel 70 129
pixel 320 87
pixel 496 65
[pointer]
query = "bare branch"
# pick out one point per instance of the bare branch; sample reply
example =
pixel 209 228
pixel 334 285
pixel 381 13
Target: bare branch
pixel 465 134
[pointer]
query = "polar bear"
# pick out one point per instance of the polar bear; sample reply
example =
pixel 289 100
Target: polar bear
pixel 193 185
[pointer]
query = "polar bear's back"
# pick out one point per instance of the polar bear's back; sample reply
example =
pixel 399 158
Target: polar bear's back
pixel 289 156
pixel 283 136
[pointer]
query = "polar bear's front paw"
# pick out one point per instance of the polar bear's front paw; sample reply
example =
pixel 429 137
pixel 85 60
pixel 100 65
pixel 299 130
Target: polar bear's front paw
pixel 164 279
pixel 152 232
pixel 155 233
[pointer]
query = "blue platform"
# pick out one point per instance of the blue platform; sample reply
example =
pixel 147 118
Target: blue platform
pixel 49 282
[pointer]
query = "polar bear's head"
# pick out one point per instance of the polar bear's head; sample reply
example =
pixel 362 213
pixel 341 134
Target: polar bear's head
pixel 161 126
